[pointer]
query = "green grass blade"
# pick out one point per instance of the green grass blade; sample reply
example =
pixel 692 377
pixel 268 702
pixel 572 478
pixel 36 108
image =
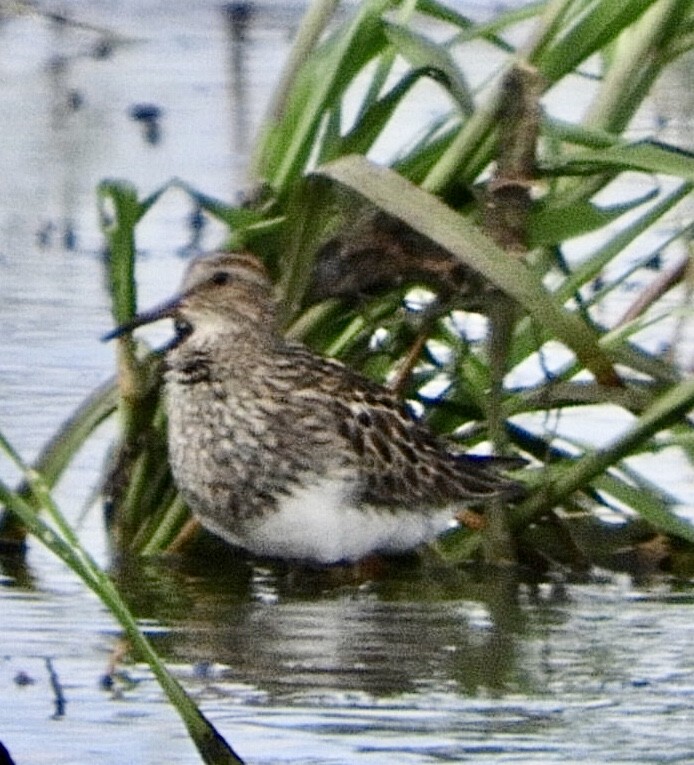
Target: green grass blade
pixel 634 62
pixel 605 254
pixel 234 217
pixel 120 212
pixel 375 117
pixel 57 454
pixel 424 53
pixel 415 162
pixel 313 25
pixel 64 543
pixel 648 505
pixel 551 224
pixel 74 432
pixel 645 156
pixel 559 131
pixel 488 30
pixel 287 146
pixel 601 23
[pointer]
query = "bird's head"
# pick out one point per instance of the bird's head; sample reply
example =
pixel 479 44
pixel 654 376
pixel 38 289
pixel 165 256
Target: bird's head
pixel 219 293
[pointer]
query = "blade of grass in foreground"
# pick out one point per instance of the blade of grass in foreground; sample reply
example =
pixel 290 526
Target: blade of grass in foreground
pixel 61 540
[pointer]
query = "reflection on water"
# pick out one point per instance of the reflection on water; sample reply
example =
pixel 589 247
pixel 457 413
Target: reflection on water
pixel 418 666
pixel 438 664
pixel 304 632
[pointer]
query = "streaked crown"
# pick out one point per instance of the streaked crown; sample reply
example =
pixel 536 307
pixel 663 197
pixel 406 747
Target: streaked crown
pixel 228 284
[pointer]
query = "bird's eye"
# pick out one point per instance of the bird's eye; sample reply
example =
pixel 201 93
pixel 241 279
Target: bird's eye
pixel 183 328
pixel 221 277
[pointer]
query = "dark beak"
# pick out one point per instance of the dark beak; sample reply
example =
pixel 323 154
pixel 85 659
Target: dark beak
pixel 164 311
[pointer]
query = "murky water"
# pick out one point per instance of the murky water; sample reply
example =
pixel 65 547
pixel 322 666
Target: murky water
pixel 421 666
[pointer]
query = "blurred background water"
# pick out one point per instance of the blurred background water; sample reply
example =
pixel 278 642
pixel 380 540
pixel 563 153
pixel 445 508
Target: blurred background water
pixel 416 669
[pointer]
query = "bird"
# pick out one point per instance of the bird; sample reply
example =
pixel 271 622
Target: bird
pixel 290 455
pixel 376 252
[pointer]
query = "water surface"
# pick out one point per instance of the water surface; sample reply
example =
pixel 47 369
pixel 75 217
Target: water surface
pixel 422 666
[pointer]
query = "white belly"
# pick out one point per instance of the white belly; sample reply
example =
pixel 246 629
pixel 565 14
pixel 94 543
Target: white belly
pixel 316 525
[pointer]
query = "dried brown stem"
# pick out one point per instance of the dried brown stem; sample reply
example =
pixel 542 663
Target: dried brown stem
pixel 506 208
pixel 659 287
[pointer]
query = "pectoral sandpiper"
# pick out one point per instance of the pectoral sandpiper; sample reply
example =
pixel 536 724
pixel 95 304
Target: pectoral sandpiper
pixel 291 455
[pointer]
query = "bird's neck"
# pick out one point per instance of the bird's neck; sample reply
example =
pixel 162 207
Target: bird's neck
pixel 225 349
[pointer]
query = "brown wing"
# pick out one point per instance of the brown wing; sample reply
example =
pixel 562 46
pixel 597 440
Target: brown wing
pixel 399 460
pixel 403 463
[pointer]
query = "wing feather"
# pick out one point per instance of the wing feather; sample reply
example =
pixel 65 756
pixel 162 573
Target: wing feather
pixel 399 460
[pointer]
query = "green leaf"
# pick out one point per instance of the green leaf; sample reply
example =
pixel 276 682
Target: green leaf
pixel 646 156
pixel 120 211
pixel 666 411
pixel 235 217
pixel 486 30
pixel 423 53
pixel 59 537
pixel 566 132
pixel 442 12
pixel 416 162
pixel 616 244
pixel 550 224
pixel 288 144
pixel 375 117
pixel 596 25
pixel 647 504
